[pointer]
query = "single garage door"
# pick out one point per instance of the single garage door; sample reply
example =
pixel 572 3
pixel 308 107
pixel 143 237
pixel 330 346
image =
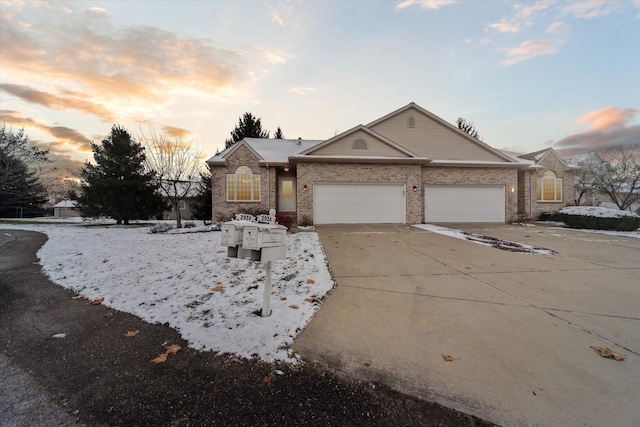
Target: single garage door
pixel 350 203
pixel 464 203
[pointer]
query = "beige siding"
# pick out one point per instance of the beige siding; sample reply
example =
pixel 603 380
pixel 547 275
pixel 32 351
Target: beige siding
pixel 478 176
pixel 431 139
pixel 344 147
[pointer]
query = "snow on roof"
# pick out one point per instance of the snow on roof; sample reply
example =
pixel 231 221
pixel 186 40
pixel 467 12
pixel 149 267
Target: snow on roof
pixel 272 150
pixel 279 150
pixel 66 204
pixel 579 159
pixel 191 188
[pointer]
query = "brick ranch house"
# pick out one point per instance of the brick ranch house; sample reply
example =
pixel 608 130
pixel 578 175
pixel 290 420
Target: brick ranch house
pixel 409 166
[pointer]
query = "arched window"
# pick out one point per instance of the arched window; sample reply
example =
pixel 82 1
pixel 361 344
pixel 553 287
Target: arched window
pixel 360 144
pixel 243 186
pixel 411 123
pixel 549 188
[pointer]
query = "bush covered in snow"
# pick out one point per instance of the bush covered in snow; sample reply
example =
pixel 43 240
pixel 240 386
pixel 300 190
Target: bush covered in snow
pixel 189 224
pixel 162 227
pixel 599 218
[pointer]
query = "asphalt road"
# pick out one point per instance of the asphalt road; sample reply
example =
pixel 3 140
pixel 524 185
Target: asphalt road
pixel 94 375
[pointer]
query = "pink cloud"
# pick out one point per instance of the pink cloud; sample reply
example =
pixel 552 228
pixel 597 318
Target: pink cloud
pixel 425 4
pixel 528 50
pixel 606 118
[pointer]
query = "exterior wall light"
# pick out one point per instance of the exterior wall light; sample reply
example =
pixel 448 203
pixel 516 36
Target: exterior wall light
pixel 513 190
pixel 304 188
pixel 415 188
pixel 286 168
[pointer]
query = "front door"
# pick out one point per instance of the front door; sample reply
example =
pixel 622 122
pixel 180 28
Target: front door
pixel 286 194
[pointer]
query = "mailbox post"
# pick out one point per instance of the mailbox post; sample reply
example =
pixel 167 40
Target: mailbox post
pixel 257 239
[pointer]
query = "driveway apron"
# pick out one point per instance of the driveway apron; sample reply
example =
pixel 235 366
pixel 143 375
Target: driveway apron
pixel 518 327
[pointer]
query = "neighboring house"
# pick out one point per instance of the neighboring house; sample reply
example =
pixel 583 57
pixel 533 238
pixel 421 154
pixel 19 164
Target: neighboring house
pixel 409 166
pixel 66 209
pixel 188 188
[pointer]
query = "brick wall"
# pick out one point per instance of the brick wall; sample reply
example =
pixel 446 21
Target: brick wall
pixel 550 162
pixel 308 173
pixel 223 210
pixel 478 176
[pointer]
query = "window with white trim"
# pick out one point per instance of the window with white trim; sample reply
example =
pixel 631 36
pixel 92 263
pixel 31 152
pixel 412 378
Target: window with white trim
pixel 549 188
pixel 183 205
pixel 243 186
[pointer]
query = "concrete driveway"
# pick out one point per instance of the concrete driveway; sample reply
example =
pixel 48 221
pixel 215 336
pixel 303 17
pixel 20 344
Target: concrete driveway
pixel 519 326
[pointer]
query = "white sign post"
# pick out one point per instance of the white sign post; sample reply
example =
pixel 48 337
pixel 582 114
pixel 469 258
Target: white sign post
pixel 266 299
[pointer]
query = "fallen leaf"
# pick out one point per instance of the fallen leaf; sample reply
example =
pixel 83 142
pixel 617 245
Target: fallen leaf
pixel 266 380
pixel 311 282
pixel 312 298
pixel 170 277
pixel 173 349
pixel 607 352
pixel 132 333
pixel 97 301
pixel 191 304
pixel 218 289
pixel 109 314
pixel 227 261
pixel 81 296
pixel 448 358
pixel 295 307
pixel 79 253
pixel 220 252
pixel 160 359
pixel 104 261
pixel 283 298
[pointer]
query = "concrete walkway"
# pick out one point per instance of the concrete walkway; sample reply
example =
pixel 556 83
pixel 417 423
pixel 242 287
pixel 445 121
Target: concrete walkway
pixel 519 326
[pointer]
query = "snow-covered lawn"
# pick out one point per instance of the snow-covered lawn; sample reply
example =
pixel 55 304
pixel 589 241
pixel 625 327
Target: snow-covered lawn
pixel 171 277
pixel 596 211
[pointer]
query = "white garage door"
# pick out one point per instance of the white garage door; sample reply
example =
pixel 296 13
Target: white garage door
pixel 464 203
pixel 358 203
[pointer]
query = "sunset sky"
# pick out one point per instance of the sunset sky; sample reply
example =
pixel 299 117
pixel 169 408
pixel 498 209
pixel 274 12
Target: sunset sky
pixel 529 75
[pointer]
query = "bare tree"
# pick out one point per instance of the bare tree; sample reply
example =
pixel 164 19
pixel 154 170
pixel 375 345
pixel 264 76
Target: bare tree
pixel 177 165
pixel 468 127
pixel 618 174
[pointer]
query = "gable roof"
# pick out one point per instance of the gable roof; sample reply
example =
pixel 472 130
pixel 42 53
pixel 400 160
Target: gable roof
pixel 538 156
pixel 446 125
pixel 266 150
pixel 373 134
pixel 66 204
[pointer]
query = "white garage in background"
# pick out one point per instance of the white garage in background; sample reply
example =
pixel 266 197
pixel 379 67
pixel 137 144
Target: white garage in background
pixel 359 203
pixel 464 203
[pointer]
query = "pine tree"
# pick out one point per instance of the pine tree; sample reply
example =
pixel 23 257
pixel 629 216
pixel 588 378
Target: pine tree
pixel 278 134
pixel 117 186
pixel 21 192
pixel 201 208
pixel 248 127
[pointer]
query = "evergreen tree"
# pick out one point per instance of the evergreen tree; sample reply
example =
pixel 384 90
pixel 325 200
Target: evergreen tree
pixel 202 206
pixel 117 186
pixel 247 127
pixel 21 192
pixel 278 134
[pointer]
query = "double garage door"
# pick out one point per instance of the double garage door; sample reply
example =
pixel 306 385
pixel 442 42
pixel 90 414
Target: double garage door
pixel 360 203
pixel 376 203
pixel 464 203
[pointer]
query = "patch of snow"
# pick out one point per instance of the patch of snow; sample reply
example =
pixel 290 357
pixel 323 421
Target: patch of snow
pixel 59 336
pixel 486 240
pixel 169 277
pixel 596 211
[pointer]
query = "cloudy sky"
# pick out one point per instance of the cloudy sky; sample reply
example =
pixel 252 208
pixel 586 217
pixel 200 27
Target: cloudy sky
pixel 528 74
